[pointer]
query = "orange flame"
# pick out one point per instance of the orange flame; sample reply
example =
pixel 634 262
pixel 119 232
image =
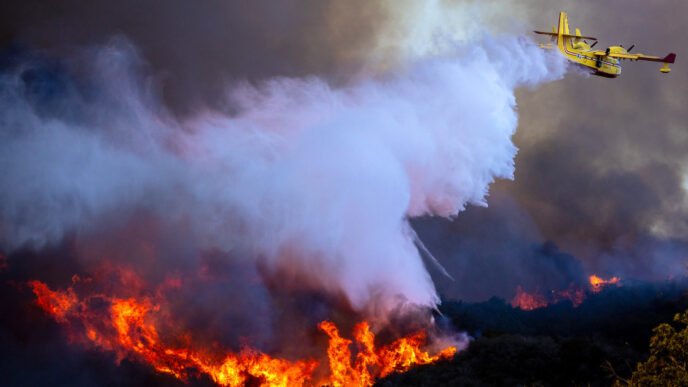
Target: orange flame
pixel 128 328
pixel 531 301
pixel 528 301
pixel 598 283
pixel 572 293
pixel 55 303
pixel 370 363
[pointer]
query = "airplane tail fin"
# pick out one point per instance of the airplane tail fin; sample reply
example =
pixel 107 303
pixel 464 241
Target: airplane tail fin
pixel 561 35
pixel 671 58
pixel 563 24
pixel 564 38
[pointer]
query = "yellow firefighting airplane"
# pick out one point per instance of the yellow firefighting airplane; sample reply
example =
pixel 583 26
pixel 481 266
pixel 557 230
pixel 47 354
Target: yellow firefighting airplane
pixel 602 63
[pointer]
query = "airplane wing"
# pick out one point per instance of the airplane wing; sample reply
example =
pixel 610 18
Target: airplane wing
pixel 671 58
pixel 564 35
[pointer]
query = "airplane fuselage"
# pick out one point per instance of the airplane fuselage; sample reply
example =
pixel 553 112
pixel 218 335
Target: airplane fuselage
pixel 603 66
pixel 580 53
pixel 576 49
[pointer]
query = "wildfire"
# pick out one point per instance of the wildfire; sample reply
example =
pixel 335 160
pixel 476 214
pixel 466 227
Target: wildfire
pixel 127 327
pixel 528 301
pixel 531 301
pixel 55 303
pixel 370 363
pixel 598 283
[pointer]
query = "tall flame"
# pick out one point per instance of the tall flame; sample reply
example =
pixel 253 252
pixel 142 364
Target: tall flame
pixel 370 363
pixel 127 327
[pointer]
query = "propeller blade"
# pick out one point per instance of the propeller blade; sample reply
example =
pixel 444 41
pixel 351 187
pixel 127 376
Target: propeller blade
pixel 630 48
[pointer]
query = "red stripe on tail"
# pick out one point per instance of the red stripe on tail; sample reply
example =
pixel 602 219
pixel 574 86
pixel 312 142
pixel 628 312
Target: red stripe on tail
pixel 671 58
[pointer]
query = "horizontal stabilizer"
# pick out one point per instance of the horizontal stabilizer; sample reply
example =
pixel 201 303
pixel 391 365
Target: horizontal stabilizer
pixel 565 35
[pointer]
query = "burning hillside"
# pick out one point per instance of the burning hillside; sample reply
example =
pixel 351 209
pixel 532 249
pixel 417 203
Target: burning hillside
pixel 319 195
pixel 574 294
pixel 142 329
pixel 228 243
pixel 246 202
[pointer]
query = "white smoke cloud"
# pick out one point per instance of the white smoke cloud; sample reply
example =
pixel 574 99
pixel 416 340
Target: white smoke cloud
pixel 315 183
pixel 419 29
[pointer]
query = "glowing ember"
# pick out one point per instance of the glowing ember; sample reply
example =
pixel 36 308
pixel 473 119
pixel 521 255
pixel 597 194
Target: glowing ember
pixel 128 327
pixel 598 283
pixel 573 294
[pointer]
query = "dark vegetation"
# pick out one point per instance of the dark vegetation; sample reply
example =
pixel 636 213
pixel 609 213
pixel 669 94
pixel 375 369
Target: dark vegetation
pixel 560 345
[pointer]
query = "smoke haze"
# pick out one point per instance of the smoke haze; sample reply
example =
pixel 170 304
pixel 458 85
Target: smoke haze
pixel 312 182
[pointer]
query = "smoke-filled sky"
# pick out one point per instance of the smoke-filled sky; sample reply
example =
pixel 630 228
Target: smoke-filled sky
pixel 602 169
pixel 601 175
